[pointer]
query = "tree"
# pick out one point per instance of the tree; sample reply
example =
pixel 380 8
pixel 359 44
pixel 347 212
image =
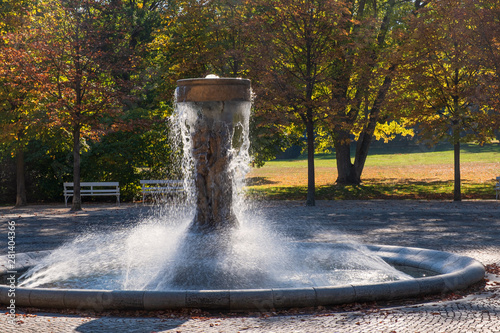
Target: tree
pixel 440 77
pixel 85 58
pixel 199 38
pixel 295 48
pixel 20 119
pixel 362 77
pixel 484 16
pixel 13 14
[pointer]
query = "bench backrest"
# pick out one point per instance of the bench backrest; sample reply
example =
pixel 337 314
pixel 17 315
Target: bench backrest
pixel 116 184
pixel 161 181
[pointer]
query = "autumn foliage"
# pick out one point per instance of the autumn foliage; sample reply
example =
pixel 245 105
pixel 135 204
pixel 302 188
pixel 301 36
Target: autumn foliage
pixel 445 84
pixel 87 79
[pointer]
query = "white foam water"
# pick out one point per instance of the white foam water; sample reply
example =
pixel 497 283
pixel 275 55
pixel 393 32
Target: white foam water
pixel 161 254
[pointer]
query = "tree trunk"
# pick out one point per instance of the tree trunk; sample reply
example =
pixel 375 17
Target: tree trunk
pixel 311 182
pixel 20 179
pixel 362 147
pixel 77 199
pixel 366 136
pixel 457 193
pixel 345 168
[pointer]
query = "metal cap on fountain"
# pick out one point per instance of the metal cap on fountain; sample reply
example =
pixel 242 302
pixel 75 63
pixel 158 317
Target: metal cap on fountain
pixel 212 89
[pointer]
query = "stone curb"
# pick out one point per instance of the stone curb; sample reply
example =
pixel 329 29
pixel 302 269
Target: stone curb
pixel 454 272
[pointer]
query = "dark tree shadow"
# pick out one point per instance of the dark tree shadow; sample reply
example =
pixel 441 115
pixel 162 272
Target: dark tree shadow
pixel 257 181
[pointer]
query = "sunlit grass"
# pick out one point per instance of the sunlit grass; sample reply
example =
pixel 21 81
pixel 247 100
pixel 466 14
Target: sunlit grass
pixel 394 175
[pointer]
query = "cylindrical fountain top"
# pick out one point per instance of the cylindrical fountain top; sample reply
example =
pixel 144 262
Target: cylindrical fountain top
pixel 213 89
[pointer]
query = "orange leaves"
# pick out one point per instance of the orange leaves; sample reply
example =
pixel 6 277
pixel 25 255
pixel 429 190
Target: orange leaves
pixel 62 72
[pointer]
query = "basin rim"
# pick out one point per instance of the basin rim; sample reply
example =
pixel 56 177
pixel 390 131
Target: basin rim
pixel 454 271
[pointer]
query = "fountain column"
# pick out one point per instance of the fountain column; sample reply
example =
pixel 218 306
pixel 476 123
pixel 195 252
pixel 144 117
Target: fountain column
pixel 217 107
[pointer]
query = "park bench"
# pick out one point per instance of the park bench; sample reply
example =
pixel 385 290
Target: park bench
pixel 161 187
pixel 93 188
pixel 497 188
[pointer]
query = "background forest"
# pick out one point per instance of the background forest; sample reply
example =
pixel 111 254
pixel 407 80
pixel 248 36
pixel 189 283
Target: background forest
pixel 86 86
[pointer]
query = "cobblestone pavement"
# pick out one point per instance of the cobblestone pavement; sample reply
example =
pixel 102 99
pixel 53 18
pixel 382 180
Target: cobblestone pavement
pixel 468 228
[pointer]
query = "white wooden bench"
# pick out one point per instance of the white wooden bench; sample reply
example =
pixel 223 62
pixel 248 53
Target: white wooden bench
pixel 497 188
pixel 161 187
pixel 93 188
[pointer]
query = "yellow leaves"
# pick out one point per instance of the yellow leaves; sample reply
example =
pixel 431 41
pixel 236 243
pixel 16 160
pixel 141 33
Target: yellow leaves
pixel 291 129
pixel 388 131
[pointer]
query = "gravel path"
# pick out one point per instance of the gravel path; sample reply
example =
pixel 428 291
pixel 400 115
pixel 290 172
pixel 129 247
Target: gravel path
pixel 468 228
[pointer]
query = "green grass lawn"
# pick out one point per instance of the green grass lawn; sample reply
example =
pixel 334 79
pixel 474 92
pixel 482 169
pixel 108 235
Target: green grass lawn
pixel 388 174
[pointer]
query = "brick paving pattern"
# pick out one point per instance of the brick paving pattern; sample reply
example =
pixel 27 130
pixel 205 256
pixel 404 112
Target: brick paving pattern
pixel 468 228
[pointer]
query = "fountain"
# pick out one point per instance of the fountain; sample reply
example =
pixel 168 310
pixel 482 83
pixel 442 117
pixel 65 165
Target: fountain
pixel 218 116
pixel 217 256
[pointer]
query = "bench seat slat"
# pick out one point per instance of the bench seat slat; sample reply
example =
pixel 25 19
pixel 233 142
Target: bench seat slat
pixel 99 190
pixel 89 193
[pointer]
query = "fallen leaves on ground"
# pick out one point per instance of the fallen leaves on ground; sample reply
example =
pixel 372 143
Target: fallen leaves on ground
pixel 493 269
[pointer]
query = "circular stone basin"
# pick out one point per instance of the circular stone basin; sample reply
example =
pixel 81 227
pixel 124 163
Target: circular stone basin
pixel 453 272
